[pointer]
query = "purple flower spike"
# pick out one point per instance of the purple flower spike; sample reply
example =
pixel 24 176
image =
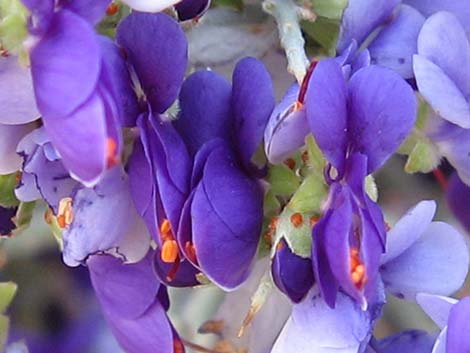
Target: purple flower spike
pixel 191 9
pixel 287 127
pixel 92 10
pixel 251 106
pixel 6 220
pixel 17 99
pixel 292 274
pixel 458 199
pixel 442 67
pixel 225 241
pixel 356 26
pixel 157 49
pixel 11 135
pixel 205 109
pixel 140 325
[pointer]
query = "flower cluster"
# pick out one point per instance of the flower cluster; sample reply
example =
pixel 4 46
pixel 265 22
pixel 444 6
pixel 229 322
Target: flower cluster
pixel 154 178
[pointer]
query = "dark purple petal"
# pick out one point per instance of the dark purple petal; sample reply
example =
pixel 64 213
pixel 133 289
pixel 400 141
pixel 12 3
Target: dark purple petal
pixel 458 339
pixel 157 49
pixel 189 9
pixel 326 103
pixel 292 274
pixel 116 283
pixel 286 129
pixel 397 42
pixel 458 199
pixel 205 109
pixel 252 104
pixel 382 110
pixel 17 98
pixel 412 341
pixel 361 18
pixel 436 263
pixel 315 327
pixel 91 10
pixel 6 220
pixel 69 50
pixel 81 139
pixel 120 82
pixel 227 214
pixel 443 41
pixel 41 13
pixel 101 218
pixel 140 325
pixel 201 157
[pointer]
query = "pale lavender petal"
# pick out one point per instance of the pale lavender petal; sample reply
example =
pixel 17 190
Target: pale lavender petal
pixel 408 229
pixel 437 263
pixel 10 136
pixel 440 345
pixel 17 98
pixel 436 307
pixel 150 6
pixel 441 92
pixel 443 41
pixel 397 42
pixel 315 327
pixel 458 339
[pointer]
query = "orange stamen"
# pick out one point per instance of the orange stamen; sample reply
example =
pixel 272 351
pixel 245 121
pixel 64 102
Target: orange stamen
pixel 65 213
pixel 358 269
pixel 298 105
pixel 280 246
pixel 190 252
pixel 165 230
pixel 290 163
pixel 111 152
pixel 297 219
pixel 112 9
pixel 169 251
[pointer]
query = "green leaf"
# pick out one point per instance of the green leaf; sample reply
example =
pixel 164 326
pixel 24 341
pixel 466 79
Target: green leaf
pixel 331 9
pixel 309 195
pixel 423 158
pixel 24 215
pixel 7 293
pixel 283 180
pixel 298 238
pixel 7 190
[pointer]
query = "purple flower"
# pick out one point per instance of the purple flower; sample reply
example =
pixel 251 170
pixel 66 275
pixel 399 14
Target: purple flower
pixel 458 200
pixel 422 256
pixel 81 116
pixel 452 317
pixel 357 124
pixel 134 304
pixel 191 9
pixel 7 224
pixel 190 165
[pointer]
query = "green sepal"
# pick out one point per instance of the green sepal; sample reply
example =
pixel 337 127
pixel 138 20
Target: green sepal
pixel 8 184
pixel 7 293
pixel 299 239
pixel 24 215
pixel 316 159
pixel 323 31
pixel 309 195
pixel 283 180
pixel 423 158
pixel 4 328
pixel 271 204
pixel 331 9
